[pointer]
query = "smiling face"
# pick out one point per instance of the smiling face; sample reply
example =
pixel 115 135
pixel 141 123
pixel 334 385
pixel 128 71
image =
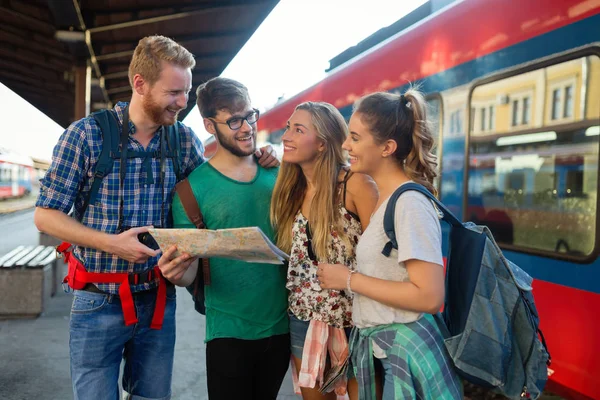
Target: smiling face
pixel 365 154
pixel 163 100
pixel 240 142
pixel 301 142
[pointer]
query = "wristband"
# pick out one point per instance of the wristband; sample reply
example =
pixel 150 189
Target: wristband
pixel 348 288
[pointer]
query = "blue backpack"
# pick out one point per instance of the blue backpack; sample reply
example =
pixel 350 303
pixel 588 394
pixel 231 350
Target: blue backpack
pixel 489 322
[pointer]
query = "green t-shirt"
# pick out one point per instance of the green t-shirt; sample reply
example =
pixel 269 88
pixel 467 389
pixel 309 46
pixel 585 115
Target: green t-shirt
pixel 244 300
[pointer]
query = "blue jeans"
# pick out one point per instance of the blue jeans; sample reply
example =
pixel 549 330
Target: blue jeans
pixel 99 340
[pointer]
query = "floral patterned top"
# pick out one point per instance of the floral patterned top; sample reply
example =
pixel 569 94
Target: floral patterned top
pixel 306 299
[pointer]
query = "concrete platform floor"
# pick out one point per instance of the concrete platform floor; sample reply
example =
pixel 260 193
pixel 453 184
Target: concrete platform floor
pixel 34 358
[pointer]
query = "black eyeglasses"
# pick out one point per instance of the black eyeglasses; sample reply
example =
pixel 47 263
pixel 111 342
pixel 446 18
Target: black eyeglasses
pixel 236 123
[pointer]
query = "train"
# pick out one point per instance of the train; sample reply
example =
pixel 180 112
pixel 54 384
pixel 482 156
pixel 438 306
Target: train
pixel 513 88
pixel 18 175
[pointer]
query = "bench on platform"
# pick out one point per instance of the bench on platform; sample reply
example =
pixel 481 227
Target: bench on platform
pixel 29 275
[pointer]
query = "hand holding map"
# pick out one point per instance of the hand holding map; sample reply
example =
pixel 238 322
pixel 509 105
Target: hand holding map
pixel 246 244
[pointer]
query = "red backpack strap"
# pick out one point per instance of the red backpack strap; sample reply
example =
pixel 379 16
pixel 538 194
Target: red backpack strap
pixel 78 277
pixel 161 301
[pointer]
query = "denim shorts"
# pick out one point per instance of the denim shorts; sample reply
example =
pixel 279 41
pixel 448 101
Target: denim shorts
pixel 298 331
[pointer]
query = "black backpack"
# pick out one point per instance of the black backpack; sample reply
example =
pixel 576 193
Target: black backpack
pixel 489 322
pixel 115 136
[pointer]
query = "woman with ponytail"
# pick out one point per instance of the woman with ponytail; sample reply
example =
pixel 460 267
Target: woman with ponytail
pixel 395 297
pixel 319 209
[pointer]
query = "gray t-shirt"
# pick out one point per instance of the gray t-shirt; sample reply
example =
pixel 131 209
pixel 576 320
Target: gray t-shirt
pixel 419 236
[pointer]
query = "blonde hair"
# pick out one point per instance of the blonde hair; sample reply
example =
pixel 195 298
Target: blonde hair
pixel 149 54
pixel 290 187
pixel 403 118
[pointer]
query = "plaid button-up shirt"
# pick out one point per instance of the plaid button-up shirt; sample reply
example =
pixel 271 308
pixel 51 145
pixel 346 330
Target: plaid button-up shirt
pixel 71 174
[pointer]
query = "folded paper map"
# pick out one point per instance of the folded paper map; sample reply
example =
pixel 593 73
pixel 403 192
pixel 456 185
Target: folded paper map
pixel 246 244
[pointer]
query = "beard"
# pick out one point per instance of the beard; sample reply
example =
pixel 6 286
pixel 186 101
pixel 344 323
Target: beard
pixel 230 144
pixel 156 112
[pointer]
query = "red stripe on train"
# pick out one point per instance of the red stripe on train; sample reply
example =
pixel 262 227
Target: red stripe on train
pixel 466 31
pixel 573 336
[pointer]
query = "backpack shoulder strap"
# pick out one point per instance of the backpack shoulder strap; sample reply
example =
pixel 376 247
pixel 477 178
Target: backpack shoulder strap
pixel 174 142
pixel 192 209
pixel 345 185
pixel 109 129
pixel 390 211
pixel 190 204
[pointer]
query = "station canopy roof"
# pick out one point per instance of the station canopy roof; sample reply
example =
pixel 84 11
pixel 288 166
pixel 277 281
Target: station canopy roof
pixel 43 41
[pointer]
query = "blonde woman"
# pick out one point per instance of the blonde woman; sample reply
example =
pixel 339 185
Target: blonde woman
pixel 395 296
pixel 319 209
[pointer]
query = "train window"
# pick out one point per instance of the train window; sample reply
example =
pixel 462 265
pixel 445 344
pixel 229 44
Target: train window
pixel 5 172
pixel 533 170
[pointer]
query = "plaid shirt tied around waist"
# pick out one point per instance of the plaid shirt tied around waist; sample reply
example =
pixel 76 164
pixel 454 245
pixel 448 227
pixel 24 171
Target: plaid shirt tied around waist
pixel 420 364
pixel 146 197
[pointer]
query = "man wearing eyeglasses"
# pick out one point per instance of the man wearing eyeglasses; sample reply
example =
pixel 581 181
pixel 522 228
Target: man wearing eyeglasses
pixel 122 307
pixel 247 328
